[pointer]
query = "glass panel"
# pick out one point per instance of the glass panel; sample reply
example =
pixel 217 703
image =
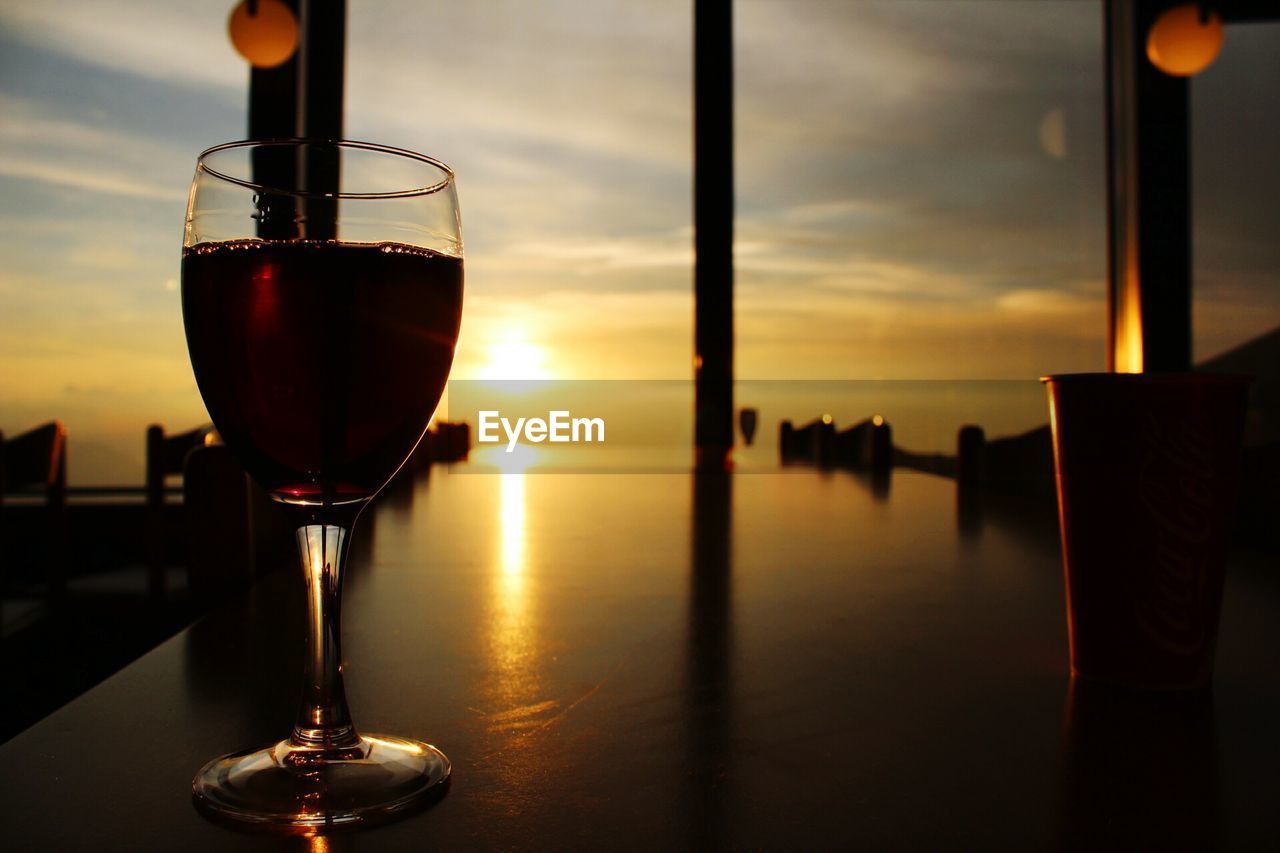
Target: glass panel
pixel 106 105
pixel 1235 186
pixel 921 196
pixel 569 125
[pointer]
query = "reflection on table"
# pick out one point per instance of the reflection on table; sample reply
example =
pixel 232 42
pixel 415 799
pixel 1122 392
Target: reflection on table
pixel 788 660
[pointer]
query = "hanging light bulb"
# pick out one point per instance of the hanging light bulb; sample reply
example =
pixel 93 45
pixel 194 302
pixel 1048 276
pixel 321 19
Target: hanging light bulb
pixel 1182 42
pixel 264 32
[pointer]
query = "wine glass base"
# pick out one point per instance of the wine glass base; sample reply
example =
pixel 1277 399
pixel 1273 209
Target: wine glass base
pixel 286 788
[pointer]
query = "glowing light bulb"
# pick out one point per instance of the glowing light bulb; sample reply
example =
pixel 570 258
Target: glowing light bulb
pixel 266 39
pixel 1181 44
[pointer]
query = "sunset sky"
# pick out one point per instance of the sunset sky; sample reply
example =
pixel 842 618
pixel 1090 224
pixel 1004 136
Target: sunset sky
pixel 920 190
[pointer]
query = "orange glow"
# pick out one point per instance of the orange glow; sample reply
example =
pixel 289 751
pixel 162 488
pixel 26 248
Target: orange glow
pixel 1127 347
pixel 877 420
pixel 1180 44
pixel 266 39
pixel 1128 352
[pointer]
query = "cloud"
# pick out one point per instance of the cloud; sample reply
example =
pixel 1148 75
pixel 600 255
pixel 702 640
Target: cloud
pixel 880 336
pixel 80 155
pixel 567 124
pixel 150 38
pixel 609 78
pixel 673 251
pixel 1057 303
pixel 83 179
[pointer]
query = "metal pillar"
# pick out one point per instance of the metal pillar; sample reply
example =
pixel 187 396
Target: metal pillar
pixel 321 72
pixel 713 230
pixel 1148 200
pixel 303 98
pixel 1148 189
pixel 273 114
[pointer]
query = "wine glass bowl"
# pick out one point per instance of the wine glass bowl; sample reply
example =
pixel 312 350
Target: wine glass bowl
pixel 321 296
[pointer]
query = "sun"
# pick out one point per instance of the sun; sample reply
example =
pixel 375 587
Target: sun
pixel 515 358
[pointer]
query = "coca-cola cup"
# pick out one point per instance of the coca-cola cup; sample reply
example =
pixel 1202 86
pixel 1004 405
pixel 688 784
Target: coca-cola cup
pixel 1147 466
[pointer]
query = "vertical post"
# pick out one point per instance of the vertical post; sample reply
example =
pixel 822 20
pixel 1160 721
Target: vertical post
pixel 302 98
pixel 322 69
pixel 321 78
pixel 1148 200
pixel 273 97
pixel 713 230
pixel 273 114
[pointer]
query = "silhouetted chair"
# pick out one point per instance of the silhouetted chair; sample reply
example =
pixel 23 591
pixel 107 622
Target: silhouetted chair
pixel 215 498
pixel 35 463
pixel 166 455
pixel 234 530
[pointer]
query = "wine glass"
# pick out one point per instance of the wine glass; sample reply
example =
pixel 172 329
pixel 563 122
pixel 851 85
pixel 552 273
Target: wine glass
pixel 321 294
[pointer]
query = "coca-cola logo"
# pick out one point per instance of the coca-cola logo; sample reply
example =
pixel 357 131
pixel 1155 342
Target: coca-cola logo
pixel 1176 488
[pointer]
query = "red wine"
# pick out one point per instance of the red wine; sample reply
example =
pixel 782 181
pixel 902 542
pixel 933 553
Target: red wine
pixel 320 362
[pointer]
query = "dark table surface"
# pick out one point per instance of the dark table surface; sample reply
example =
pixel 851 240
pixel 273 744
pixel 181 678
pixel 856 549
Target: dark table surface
pixel 792 660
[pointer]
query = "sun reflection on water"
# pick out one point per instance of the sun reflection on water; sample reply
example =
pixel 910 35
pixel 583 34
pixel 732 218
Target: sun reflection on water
pixel 513 645
pixel 496 457
pixel 512 533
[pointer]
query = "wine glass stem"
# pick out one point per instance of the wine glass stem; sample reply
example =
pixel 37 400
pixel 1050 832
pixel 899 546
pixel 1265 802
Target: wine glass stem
pixel 323 720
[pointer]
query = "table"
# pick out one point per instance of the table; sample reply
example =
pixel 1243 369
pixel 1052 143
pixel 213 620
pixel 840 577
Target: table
pixel 787 660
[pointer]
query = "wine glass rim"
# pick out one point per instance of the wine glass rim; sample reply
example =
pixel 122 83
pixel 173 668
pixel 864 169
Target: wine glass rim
pixel 203 166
